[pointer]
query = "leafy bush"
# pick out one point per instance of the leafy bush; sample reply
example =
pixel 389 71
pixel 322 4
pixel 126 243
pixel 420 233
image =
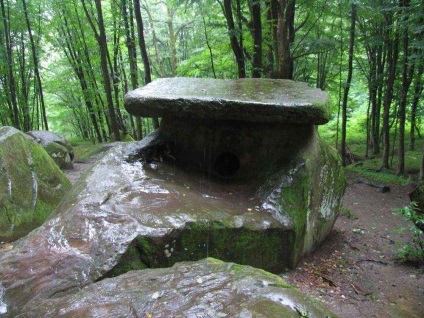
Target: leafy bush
pixel 412 251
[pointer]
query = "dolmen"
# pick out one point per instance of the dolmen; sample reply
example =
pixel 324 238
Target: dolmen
pixel 193 220
pixel 266 187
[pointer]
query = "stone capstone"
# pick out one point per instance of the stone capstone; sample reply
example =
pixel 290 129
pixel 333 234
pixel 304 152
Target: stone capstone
pixel 31 184
pixel 57 146
pixel 207 288
pixel 247 99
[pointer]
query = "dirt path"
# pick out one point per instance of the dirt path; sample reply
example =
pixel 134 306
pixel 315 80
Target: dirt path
pixel 355 271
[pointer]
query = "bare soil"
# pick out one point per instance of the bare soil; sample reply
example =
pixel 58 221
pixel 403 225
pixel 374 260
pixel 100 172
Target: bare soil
pixel 355 272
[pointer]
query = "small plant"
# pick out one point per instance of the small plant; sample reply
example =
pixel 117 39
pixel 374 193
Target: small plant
pixel 413 250
pixel 348 213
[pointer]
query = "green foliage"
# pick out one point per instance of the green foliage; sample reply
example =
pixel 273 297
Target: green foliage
pixel 85 149
pixel 413 250
pixel 348 213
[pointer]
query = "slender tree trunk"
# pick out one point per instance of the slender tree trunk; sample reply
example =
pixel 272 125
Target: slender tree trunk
pixel 144 56
pixel 132 57
pixel 142 43
pixel 36 68
pixel 257 39
pixel 233 32
pixel 340 74
pixel 393 53
pixel 407 72
pixel 285 38
pixel 418 89
pixel 9 65
pixel 208 45
pixel 421 176
pixel 348 82
pixel 101 40
pixel 160 70
pixel 24 87
pixel 172 39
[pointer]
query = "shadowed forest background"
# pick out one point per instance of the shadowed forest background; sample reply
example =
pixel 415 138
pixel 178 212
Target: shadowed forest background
pixel 66 65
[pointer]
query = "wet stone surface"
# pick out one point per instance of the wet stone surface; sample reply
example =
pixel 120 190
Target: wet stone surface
pixel 147 215
pixel 207 288
pixel 249 99
pixel 232 177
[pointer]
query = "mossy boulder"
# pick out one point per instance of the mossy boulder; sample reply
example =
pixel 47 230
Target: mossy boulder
pixel 31 184
pixel 57 146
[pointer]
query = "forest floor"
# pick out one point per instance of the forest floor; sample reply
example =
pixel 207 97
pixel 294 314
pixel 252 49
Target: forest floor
pixel 355 272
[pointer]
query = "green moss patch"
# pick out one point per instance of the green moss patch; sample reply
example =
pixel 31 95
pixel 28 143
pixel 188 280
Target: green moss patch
pixel 266 249
pixel 31 186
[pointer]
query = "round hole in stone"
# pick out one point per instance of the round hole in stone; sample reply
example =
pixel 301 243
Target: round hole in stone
pixel 227 164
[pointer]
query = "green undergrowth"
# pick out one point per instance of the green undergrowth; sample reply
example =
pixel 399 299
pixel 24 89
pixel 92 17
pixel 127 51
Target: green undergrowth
pixel 370 167
pixel 413 249
pixel 382 177
pixel 85 149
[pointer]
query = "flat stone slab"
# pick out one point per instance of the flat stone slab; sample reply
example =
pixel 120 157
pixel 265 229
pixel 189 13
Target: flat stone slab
pixel 248 99
pixel 207 288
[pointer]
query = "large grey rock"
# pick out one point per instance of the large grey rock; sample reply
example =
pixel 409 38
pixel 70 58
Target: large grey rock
pixel 31 185
pixel 57 146
pixel 248 99
pixel 156 214
pixel 208 288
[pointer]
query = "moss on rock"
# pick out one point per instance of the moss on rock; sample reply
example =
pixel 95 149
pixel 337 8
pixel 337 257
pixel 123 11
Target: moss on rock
pixel 31 184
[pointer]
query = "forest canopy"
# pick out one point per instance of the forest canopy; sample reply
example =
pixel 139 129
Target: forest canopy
pixel 66 64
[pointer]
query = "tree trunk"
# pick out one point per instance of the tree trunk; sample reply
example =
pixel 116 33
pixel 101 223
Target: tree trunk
pixel 257 39
pixel 142 43
pixel 208 45
pixel 132 57
pixel 393 54
pixel 285 38
pixel 144 56
pixel 160 70
pixel 101 40
pixel 407 72
pixel 235 45
pixel 172 40
pixel 9 65
pixel 348 82
pixel 418 89
pixel 421 176
pixel 37 73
